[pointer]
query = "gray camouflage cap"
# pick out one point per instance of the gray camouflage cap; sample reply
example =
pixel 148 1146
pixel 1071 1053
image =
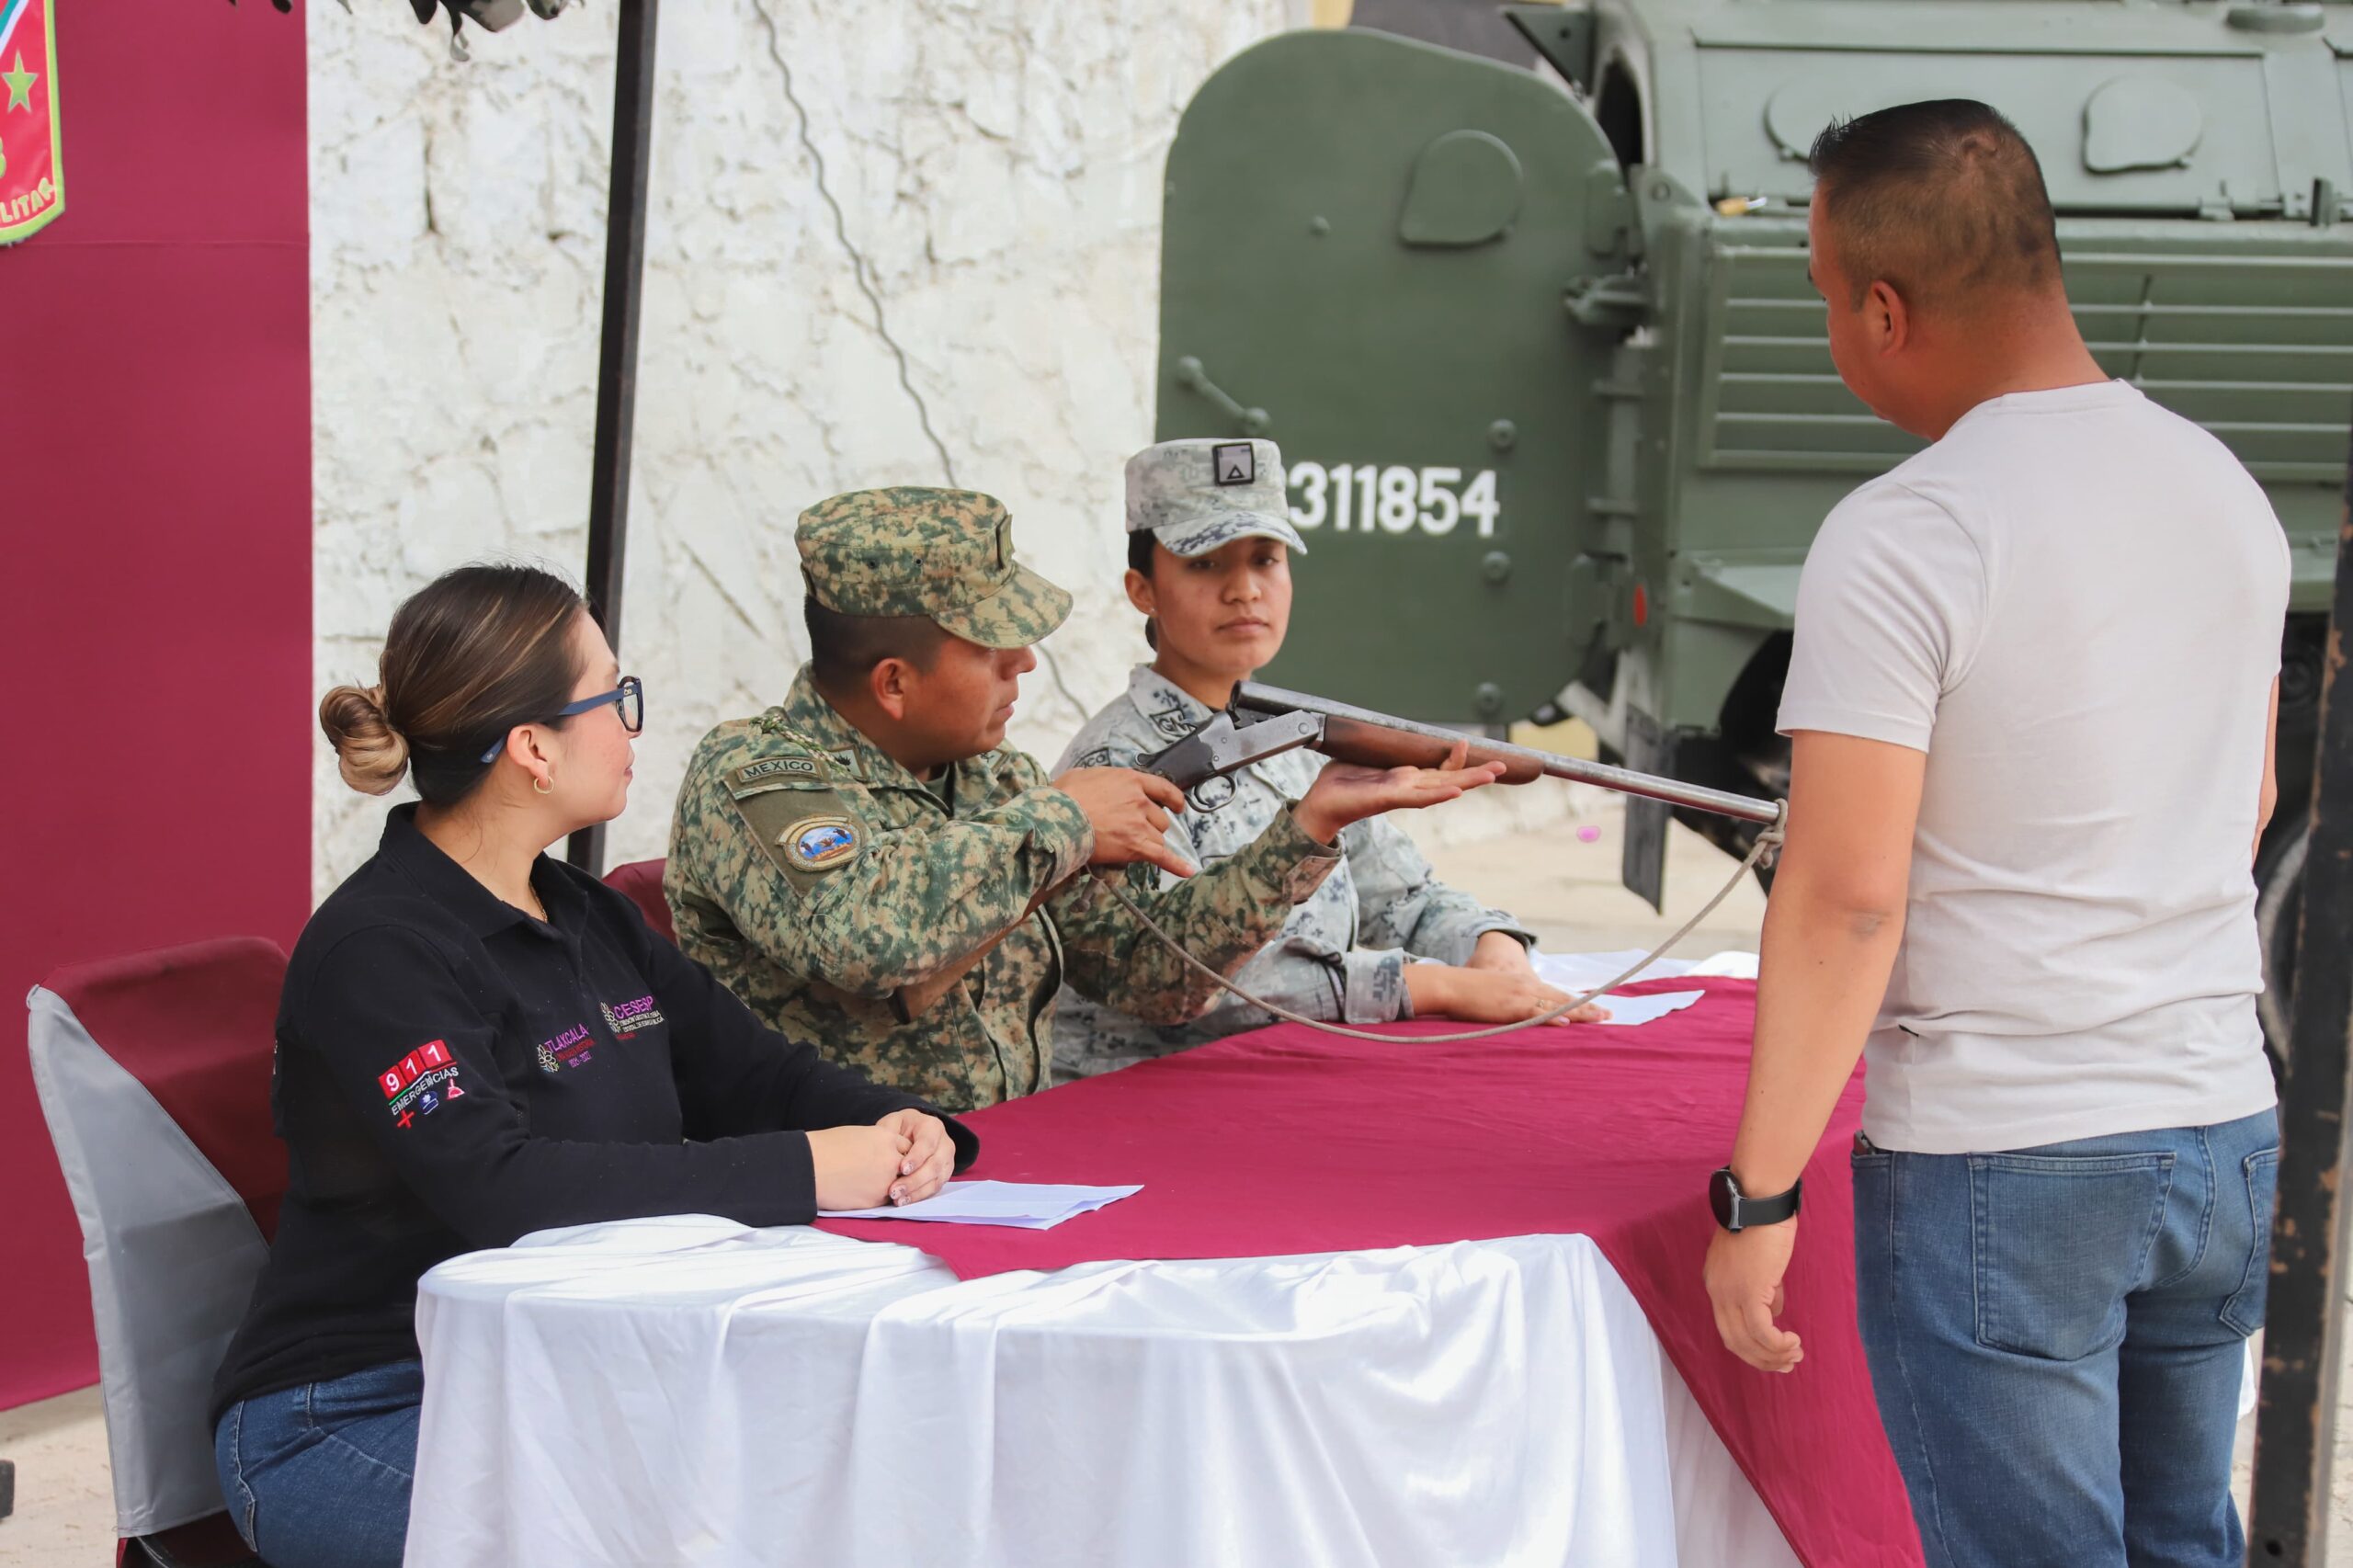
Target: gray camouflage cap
pixel 1196 495
pixel 943 554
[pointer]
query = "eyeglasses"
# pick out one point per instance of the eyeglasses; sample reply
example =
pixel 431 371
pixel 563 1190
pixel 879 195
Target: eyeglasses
pixel 628 699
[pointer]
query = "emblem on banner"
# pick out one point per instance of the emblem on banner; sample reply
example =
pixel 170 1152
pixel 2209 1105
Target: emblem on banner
pixel 32 179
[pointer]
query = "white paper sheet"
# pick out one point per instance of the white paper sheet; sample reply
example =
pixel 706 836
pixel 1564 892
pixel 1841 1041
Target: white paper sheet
pixel 1626 1012
pixel 1025 1205
pixel 1582 971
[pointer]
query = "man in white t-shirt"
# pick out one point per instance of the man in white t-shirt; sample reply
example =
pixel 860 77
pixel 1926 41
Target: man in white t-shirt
pixel 2031 702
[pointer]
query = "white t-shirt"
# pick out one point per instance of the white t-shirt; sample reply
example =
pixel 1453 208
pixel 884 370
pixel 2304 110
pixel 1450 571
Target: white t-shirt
pixel 2073 602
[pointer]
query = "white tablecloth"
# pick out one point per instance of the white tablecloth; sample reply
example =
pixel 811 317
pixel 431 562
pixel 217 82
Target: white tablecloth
pixel 690 1391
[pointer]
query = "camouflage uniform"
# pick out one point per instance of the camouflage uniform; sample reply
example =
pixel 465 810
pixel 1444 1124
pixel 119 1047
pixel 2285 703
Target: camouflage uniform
pixel 1342 953
pixel 817 877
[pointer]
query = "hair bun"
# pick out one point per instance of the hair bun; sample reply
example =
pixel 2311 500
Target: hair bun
pixel 370 754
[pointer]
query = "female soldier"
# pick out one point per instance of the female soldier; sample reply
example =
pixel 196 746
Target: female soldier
pixel 1208 544
pixel 476 1041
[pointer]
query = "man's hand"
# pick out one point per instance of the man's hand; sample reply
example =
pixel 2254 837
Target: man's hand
pixel 930 1158
pixel 1744 1274
pixel 1487 996
pixel 1128 811
pixel 1345 793
pixel 856 1166
pixel 1500 952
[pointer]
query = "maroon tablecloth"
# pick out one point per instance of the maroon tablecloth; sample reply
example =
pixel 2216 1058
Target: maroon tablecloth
pixel 1286 1140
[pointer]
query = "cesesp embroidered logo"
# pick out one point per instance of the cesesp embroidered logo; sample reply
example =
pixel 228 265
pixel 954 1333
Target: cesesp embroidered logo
pixel 628 1018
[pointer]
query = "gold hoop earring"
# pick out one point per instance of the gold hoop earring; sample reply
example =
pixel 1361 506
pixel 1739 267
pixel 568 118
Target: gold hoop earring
pixel 545 784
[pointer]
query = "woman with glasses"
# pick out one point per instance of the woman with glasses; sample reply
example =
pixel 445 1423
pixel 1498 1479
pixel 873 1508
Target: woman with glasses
pixel 476 1041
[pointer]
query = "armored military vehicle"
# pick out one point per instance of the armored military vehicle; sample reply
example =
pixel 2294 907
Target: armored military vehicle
pixel 1555 394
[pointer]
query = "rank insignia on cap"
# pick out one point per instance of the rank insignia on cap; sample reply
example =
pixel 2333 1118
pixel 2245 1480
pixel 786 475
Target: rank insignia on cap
pixel 820 843
pixel 1233 462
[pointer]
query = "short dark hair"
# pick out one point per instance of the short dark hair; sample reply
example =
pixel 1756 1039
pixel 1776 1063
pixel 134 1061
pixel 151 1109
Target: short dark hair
pixel 1942 200
pixel 844 649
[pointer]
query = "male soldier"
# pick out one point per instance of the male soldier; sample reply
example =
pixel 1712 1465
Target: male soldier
pixel 869 865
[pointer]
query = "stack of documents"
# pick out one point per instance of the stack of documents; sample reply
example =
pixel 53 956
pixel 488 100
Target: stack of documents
pixel 1025 1205
pixel 1625 1012
pixel 1578 971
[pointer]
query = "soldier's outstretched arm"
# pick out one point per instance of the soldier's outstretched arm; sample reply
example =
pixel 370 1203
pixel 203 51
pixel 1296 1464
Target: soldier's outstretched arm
pixel 810 876
pixel 1222 917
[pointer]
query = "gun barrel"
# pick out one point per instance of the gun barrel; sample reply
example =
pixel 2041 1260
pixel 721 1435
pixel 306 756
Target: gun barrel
pixel 1525 760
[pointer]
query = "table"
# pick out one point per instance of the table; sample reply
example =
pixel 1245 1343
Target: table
pixel 1350 1235
pixel 688 1390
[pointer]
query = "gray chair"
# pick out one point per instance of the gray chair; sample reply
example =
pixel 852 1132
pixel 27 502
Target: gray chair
pixel 154 1072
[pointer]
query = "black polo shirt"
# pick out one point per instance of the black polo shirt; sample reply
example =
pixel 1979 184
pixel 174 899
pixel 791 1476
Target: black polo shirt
pixel 453 1074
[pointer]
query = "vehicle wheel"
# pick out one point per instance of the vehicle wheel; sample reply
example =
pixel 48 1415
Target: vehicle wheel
pixel 2278 909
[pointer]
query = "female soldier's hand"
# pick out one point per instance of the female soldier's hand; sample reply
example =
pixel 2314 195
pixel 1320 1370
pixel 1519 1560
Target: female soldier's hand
pixel 1345 793
pixel 930 1158
pixel 856 1166
pixel 1500 951
pixel 1488 996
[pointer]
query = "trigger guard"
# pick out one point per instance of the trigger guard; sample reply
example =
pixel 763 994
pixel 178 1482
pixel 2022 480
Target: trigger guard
pixel 1211 792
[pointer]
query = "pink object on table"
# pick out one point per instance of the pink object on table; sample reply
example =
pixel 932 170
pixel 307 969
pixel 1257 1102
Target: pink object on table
pixel 1285 1141
pixel 1588 835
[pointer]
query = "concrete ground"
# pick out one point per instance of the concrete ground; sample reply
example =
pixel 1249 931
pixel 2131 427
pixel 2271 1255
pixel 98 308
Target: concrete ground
pixel 1564 884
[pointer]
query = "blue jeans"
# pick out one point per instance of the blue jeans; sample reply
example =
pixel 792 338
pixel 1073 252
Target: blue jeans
pixel 2055 1337
pixel 318 1476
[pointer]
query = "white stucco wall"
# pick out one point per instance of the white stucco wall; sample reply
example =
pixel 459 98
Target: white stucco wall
pixel 997 165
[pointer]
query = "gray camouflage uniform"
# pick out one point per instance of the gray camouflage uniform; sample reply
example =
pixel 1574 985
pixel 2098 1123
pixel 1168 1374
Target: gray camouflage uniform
pixel 1342 954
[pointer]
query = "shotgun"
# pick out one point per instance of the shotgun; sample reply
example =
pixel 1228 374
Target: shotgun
pixel 1266 721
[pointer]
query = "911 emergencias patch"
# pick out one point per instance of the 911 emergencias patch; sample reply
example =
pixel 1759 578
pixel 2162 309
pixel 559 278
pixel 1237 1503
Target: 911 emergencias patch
pixel 820 843
pixel 419 1083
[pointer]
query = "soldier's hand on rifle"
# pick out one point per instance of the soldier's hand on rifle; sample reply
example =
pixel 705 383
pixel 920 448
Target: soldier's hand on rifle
pixel 1488 996
pixel 1129 812
pixel 1344 792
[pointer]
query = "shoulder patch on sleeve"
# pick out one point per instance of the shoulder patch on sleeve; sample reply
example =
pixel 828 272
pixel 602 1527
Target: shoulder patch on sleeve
pixel 804 827
pixel 768 772
pixel 820 843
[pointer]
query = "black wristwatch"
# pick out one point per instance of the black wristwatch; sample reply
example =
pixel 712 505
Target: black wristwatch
pixel 1736 1212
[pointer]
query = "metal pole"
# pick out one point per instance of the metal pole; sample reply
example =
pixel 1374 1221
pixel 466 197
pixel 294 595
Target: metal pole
pixel 617 350
pixel 2295 1434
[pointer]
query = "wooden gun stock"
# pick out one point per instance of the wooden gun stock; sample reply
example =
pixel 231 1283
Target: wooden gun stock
pixel 1375 745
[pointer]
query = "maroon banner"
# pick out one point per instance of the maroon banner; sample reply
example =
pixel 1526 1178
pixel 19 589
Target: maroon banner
pixel 32 176
pixel 156 499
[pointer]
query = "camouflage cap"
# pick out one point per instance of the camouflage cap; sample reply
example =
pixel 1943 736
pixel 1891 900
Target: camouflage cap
pixel 944 554
pixel 1196 495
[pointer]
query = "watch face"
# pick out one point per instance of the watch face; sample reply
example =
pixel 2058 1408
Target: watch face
pixel 1721 1193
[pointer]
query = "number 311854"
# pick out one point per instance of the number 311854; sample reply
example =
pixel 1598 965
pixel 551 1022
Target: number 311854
pixel 1367 498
